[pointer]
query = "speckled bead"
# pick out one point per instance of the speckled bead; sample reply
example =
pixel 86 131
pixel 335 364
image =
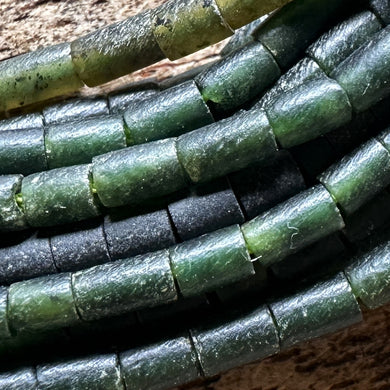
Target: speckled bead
pixel 4 329
pixel 19 122
pixel 23 378
pixel 382 9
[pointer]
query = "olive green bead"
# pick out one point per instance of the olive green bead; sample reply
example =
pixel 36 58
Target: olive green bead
pixel 59 196
pixel 226 146
pixel 292 225
pixel 37 76
pixel 184 27
pixel 4 328
pixel 359 176
pixel 116 50
pixel 210 261
pixel 140 172
pixel 42 303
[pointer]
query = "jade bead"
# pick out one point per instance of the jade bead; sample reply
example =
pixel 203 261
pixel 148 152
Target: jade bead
pixel 324 308
pixel 175 21
pixel 382 9
pixel 292 225
pixel 20 122
pixel 42 303
pixel 210 261
pixel 4 329
pixel 23 378
pixel 359 176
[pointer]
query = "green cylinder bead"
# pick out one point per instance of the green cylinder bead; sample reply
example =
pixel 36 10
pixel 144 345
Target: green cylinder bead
pixel 12 216
pixel 4 328
pixel 324 308
pixel 236 342
pixel 25 121
pixel 359 176
pixel 124 285
pixel 369 276
pixel 23 378
pixel 308 111
pixel 210 261
pixel 117 175
pixel 42 303
pixel 59 196
pixel 176 21
pixel 226 146
pixel 169 113
pixel 292 225
pixel 239 77
pixel 116 50
pixel 76 142
pixel 37 76
pixel 365 74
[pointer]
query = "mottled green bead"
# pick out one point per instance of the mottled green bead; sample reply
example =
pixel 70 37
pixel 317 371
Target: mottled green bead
pixel 140 172
pixel 58 196
pixel 239 77
pixel 23 378
pixel 176 21
pixel 4 328
pixel 324 308
pixel 235 342
pixel 124 285
pixel 226 146
pixel 76 142
pixel 210 261
pixel 292 225
pixel 37 76
pixel 116 50
pixel 308 111
pixel 358 176
pixel 42 303
pixel 19 122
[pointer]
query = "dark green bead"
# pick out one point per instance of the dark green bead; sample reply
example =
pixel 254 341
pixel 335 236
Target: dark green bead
pixel 76 142
pixel 117 175
pixel 21 379
pixel 292 225
pixel 159 366
pixel 358 176
pixel 175 21
pixel 116 50
pixel 124 285
pixel 341 41
pixel 324 308
pixel 12 216
pixel 19 122
pixel 226 146
pixel 382 9
pixel 59 196
pixel 22 151
pixel 210 261
pixel 369 275
pixel 307 111
pixel 239 77
pixel 365 74
pixel 240 341
pixel 42 303
pixel 4 329
pixel 169 113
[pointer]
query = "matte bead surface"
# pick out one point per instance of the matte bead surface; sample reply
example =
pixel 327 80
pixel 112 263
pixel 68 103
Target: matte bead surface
pixel 210 261
pixel 59 196
pixel 116 50
pixel 239 77
pixel 12 216
pixel 364 75
pixel 169 113
pixel 22 151
pixel 309 110
pixel 175 21
pixel 76 142
pixel 159 366
pixel 239 341
pixel 4 329
pixel 98 372
pixel 382 9
pixel 342 40
pixel 42 303
pixel 27 121
pixel 292 225
pixel 324 308
pixel 124 285
pixel 37 76
pixel 23 378
pixel 358 176
pixel 225 146
pixel 205 209
pixel 132 235
pixel 117 175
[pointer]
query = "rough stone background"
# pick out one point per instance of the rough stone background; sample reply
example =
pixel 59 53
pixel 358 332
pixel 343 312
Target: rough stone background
pixel 355 359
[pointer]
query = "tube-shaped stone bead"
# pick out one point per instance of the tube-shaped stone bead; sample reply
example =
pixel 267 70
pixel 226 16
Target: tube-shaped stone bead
pixel 19 122
pixel 382 9
pixel 23 378
pixel 4 328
